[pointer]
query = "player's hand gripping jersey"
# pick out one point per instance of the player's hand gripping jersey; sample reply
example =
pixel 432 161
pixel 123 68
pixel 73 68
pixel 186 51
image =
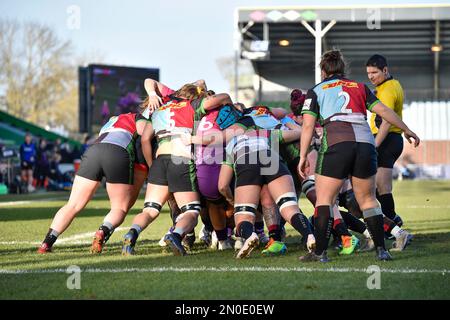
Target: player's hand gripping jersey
pixel 341 106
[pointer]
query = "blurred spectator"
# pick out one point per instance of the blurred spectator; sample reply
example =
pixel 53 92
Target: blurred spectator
pixel 42 164
pixel 54 173
pixel 66 153
pixel 57 146
pixel 27 161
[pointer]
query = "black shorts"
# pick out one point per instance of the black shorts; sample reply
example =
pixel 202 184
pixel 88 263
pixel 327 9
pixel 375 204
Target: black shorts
pixel 25 165
pixel 259 174
pixel 349 158
pixel 293 169
pixel 107 160
pixel 390 150
pixel 176 172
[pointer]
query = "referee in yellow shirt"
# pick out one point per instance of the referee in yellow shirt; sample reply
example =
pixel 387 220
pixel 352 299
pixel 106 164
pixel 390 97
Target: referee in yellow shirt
pixel 388 138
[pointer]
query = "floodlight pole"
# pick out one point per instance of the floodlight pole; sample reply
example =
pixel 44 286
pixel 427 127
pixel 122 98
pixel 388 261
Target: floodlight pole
pixel 436 60
pixel 236 45
pixel 318 34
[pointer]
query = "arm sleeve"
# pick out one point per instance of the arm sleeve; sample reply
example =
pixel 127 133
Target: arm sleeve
pixel 310 106
pixel 371 99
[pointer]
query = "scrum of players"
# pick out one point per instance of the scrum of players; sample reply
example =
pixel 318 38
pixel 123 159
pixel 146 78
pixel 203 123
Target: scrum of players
pixel 241 170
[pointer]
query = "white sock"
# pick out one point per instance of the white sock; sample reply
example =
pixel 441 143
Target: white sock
pixel 396 231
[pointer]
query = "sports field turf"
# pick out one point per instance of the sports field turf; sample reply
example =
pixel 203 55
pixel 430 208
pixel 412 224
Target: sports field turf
pixel 422 271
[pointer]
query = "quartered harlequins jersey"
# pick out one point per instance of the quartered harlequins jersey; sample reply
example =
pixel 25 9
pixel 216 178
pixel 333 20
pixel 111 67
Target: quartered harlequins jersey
pixel 250 142
pixel 262 117
pixel 176 116
pixel 120 130
pixel 341 106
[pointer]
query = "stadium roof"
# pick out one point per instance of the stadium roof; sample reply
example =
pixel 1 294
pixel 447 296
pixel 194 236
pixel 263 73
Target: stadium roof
pixel 405 34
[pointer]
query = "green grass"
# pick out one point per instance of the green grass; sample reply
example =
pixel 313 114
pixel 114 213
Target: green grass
pixel 423 205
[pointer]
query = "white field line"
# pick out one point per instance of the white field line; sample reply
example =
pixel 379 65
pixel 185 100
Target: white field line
pixel 58 198
pixel 75 239
pixel 224 269
pixel 13 203
pixel 20 202
pixel 425 206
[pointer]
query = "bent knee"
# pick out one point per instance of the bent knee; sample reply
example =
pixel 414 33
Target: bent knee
pixel 151 213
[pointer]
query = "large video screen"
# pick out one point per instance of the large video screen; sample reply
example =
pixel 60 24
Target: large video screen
pixel 115 90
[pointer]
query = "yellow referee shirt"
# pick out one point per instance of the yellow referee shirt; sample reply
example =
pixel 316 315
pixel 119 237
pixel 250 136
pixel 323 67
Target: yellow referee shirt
pixel 390 93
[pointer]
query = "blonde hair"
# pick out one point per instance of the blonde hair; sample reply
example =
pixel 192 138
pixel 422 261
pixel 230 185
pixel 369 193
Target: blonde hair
pixel 188 91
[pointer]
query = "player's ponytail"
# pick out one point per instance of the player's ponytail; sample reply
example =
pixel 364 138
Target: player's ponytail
pixel 332 62
pixel 191 91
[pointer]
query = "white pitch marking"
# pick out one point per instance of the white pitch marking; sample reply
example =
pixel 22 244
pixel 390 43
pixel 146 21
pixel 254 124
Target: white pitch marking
pixel 224 269
pixel 75 239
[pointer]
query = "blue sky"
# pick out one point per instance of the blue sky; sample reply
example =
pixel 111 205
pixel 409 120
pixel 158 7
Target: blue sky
pixel 183 38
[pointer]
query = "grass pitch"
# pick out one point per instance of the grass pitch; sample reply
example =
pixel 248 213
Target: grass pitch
pixel 422 271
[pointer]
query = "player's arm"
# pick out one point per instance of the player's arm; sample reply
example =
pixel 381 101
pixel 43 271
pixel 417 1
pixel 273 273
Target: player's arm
pixel 290 135
pixel 389 115
pixel 216 101
pixel 383 131
pixel 146 139
pixel 153 86
pixel 279 113
pixel 310 112
pixel 155 91
pixel 374 105
pixel 225 177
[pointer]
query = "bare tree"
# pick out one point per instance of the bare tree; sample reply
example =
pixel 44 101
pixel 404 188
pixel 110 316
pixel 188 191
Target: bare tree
pixel 38 77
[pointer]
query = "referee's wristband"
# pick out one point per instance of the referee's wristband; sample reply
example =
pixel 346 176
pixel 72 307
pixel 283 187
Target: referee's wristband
pixel 152 94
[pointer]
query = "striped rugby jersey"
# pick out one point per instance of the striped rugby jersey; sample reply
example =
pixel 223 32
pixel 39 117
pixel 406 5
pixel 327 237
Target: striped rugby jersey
pixel 341 106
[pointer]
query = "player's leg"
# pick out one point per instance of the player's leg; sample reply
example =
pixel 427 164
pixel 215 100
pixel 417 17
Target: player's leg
pixel 155 197
pixel 326 190
pixel 388 152
pixel 245 205
pixel 182 181
pixel 283 191
pixel 189 204
pixel 272 217
pixel 82 191
pixel 120 196
pixel 364 184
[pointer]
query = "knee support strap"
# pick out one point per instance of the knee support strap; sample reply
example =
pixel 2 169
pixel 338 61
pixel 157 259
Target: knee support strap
pixel 194 207
pixel 245 208
pixel 308 185
pixel 372 212
pixel 153 205
pixel 286 200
